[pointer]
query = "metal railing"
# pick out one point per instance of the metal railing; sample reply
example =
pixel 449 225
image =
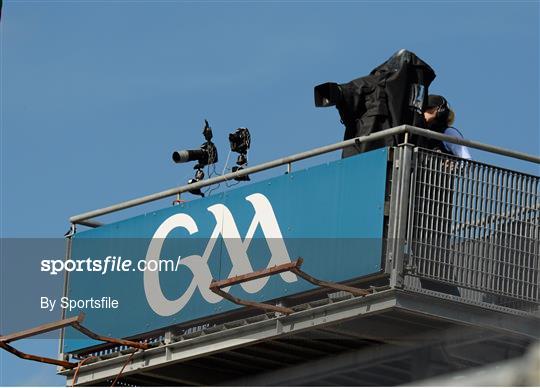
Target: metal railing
pixel 459 222
pixel 406 130
pixel 475 226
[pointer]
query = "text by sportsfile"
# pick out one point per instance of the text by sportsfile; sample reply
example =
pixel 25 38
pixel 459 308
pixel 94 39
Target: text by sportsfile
pixel 109 264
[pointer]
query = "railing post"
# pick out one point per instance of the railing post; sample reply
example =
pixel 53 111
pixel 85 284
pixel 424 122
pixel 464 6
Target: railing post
pixel 61 355
pixel 398 216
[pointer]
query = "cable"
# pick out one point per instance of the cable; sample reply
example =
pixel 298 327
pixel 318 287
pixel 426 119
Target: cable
pixel 123 367
pixel 209 190
pixel 226 162
pixel 79 364
pixel 208 176
pixel 234 184
pixel 225 168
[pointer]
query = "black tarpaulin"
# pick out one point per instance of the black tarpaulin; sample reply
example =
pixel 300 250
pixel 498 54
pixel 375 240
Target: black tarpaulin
pixel 394 93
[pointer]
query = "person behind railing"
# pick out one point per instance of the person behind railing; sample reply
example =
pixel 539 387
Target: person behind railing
pixel 440 182
pixel 439 118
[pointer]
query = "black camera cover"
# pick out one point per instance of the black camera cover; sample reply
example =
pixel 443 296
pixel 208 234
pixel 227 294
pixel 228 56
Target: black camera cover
pixel 394 93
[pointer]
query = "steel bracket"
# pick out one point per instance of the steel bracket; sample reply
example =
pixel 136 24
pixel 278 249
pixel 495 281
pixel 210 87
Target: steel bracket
pixel 294 267
pixel 74 322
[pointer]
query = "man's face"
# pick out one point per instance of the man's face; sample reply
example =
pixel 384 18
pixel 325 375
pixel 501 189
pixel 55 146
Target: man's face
pixel 430 114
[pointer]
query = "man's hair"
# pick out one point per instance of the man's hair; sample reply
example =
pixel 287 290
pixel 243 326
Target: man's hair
pixel 451 117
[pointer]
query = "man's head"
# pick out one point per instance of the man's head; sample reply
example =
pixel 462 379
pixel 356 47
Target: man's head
pixel 437 112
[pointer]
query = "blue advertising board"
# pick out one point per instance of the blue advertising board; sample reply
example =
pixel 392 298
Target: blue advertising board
pixel 331 215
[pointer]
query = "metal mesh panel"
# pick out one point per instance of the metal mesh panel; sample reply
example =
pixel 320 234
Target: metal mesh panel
pixel 475 226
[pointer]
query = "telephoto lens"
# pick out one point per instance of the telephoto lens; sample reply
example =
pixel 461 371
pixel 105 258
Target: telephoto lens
pixel 184 156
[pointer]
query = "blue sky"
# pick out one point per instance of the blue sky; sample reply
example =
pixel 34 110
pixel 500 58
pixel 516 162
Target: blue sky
pixel 95 95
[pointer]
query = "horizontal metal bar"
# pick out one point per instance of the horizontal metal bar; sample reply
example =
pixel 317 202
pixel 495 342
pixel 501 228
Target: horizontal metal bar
pixel 74 322
pixel 297 157
pixel 32 357
pixel 250 303
pixel 472 144
pixel 216 284
pixel 335 286
pixel 293 267
pixel 118 341
pixel 90 223
pixel 42 329
pixel 491 218
pixel 231 176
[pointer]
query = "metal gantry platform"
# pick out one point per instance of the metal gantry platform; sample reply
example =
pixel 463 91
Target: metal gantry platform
pixel 459 289
pixel 386 338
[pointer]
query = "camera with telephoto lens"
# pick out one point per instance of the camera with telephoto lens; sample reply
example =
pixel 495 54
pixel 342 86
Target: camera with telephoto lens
pixel 207 154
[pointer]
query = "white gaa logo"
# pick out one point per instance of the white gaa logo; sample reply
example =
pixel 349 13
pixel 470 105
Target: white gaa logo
pixel 236 247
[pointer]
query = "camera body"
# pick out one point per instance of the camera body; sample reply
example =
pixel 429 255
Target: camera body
pixel 240 140
pixel 394 93
pixel 205 155
pixel 209 155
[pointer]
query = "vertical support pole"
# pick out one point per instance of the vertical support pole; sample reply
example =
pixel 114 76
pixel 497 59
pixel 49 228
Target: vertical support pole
pixel 178 200
pixel 399 207
pixel 167 338
pixel 64 293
